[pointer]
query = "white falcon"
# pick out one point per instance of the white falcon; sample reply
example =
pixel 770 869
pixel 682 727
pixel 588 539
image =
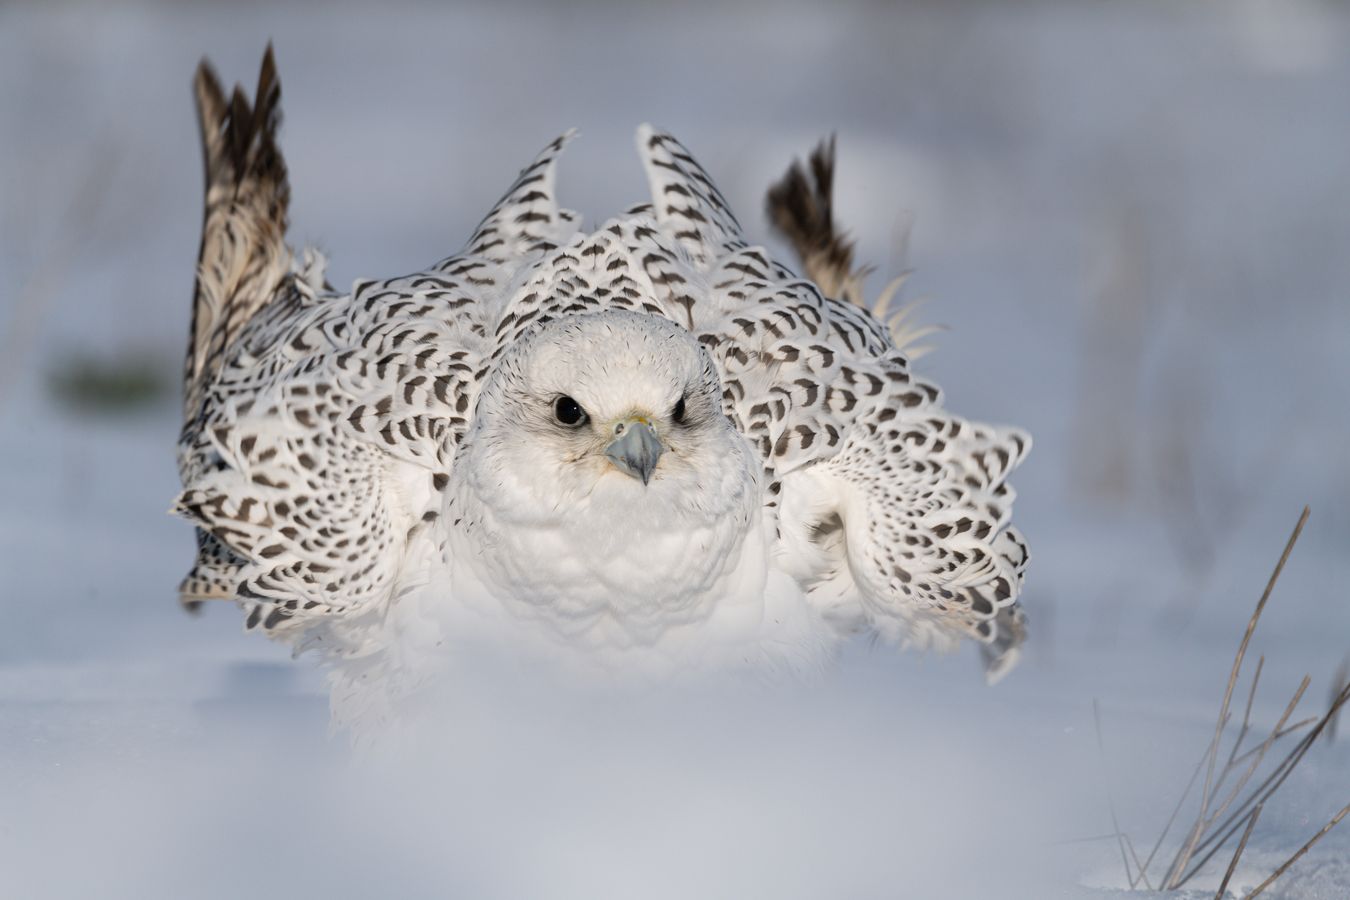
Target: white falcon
pixel 650 441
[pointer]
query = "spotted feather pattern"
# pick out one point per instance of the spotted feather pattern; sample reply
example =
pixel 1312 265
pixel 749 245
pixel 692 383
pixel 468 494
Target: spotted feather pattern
pixel 318 446
pixel 321 445
pixel 817 384
pixel 243 259
pixel 242 263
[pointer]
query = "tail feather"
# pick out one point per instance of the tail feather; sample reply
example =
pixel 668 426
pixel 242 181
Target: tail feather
pixel 244 258
pixel 801 208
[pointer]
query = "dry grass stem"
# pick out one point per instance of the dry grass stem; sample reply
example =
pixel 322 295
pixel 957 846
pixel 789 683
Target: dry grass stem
pixel 1140 876
pixel 1237 854
pixel 1176 810
pixel 1176 872
pixel 1261 751
pixel 1275 779
pixel 1304 849
pixel 1228 803
pixel 1246 717
pixel 1110 798
pixel 1339 684
pixel 1283 732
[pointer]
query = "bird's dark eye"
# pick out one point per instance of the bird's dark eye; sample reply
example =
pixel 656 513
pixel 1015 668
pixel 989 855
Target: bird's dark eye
pixel 677 414
pixel 568 411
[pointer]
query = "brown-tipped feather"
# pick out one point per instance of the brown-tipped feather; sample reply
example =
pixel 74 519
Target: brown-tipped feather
pixel 243 260
pixel 242 264
pixel 210 110
pixel 801 208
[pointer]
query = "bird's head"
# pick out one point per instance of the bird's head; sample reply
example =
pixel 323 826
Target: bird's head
pixel 606 406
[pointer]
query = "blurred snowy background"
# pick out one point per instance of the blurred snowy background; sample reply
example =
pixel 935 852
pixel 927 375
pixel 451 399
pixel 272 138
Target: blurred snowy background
pixel 1133 218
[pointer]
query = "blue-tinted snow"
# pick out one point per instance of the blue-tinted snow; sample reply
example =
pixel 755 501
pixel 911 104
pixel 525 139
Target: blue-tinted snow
pixel 1134 220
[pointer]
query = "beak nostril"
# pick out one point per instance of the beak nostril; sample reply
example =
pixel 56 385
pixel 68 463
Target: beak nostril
pixel 635 450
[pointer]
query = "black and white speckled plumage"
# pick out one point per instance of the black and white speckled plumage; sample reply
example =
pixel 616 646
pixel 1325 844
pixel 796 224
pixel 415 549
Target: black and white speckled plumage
pixel 324 430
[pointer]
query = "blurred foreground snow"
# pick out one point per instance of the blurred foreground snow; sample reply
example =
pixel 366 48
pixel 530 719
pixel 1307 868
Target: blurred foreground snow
pixel 1132 217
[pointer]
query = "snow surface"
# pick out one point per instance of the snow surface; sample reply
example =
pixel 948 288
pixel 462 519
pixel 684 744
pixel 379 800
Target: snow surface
pixel 1132 217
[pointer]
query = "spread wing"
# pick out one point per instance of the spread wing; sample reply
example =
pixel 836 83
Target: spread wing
pixel 320 428
pixel 892 510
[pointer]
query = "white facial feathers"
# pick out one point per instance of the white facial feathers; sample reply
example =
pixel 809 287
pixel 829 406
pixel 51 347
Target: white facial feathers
pixel 559 523
pixel 614 364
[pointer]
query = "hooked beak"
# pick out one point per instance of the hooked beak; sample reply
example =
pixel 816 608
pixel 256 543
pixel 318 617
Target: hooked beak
pixel 635 449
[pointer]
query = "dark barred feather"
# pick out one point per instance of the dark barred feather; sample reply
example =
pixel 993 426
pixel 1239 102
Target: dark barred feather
pixel 244 258
pixel 801 208
pixel 242 264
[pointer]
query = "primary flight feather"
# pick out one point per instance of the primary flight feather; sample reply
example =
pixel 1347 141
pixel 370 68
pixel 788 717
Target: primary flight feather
pixel 651 441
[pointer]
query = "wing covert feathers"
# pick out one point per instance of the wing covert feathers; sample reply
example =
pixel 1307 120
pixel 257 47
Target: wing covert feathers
pixel 527 218
pixel 927 508
pixel 685 201
pixel 922 494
